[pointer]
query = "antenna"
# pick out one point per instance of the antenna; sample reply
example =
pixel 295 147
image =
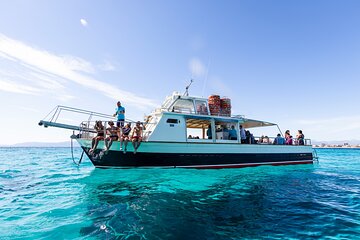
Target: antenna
pixel 187 88
pixel 206 77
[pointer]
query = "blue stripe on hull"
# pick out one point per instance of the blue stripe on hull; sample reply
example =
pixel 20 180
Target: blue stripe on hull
pixel 119 159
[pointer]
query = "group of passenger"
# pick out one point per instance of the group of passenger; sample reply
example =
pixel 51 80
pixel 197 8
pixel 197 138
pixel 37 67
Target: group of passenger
pixel 288 140
pixel 193 137
pixel 231 134
pixel 248 138
pixel 119 132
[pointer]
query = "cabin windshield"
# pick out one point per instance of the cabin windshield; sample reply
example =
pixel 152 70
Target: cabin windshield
pixel 184 106
pixel 201 107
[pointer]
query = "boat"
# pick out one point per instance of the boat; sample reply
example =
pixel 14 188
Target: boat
pixel 166 142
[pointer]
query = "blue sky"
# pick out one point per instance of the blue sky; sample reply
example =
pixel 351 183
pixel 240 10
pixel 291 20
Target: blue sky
pixel 295 63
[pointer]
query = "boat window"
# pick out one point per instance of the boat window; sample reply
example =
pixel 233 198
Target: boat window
pixel 183 106
pixel 201 107
pixel 198 129
pixel 226 130
pixel 172 120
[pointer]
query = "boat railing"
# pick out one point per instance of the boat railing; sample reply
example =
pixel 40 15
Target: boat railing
pixel 57 118
pixel 270 141
pixel 250 140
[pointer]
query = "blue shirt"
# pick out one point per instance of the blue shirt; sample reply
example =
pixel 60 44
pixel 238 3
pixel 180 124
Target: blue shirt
pixel 232 133
pixel 120 112
pixel 279 140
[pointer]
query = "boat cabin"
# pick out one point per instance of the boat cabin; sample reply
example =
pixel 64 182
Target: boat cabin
pixel 189 119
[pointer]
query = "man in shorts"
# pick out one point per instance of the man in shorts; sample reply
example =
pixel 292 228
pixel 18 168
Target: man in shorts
pixel 120 113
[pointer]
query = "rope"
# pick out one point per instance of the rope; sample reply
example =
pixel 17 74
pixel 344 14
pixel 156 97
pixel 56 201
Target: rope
pixel 72 154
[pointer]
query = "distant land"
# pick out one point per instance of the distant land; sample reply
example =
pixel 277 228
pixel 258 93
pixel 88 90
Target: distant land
pixel 68 143
pixel 337 142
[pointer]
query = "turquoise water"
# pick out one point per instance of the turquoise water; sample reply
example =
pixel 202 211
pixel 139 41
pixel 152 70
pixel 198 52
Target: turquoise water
pixel 43 195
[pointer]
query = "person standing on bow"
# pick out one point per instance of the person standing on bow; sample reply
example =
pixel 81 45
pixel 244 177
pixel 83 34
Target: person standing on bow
pixel 120 113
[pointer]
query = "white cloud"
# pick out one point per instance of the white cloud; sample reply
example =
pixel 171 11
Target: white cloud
pixel 77 64
pixel 45 81
pixel 8 86
pixel 28 109
pixel 2 55
pixel 83 22
pixel 68 68
pixel 197 68
pixel 107 66
pixel 65 98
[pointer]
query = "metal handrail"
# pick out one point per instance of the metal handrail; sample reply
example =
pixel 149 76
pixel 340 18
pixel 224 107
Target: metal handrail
pixel 58 109
pixel 307 141
pixel 51 119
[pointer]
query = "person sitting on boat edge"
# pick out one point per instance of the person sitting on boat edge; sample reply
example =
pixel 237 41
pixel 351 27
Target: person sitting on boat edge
pixel 112 131
pixel 136 137
pixel 300 137
pixel 232 133
pixel 120 113
pixel 99 136
pixel 125 136
pixel 279 140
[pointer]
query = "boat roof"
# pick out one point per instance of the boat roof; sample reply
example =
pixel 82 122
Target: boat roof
pixel 199 121
pixel 195 120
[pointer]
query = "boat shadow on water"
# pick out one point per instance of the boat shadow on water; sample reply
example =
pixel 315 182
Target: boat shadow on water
pixel 193 204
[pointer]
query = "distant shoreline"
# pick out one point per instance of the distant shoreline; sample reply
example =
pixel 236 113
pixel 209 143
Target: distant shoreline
pixel 337 147
pixel 38 147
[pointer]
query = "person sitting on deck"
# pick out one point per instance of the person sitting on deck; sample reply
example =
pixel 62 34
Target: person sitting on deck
pixel 136 137
pixel 99 136
pixel 289 141
pixel 300 137
pixel 232 133
pixel 261 139
pixel 125 136
pixel 112 131
pixel 287 134
pixel 266 140
pixel 279 140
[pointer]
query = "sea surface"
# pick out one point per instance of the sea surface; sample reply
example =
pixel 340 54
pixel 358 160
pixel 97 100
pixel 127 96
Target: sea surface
pixel 44 195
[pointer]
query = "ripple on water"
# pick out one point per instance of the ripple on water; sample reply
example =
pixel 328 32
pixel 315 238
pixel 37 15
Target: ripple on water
pixel 44 196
